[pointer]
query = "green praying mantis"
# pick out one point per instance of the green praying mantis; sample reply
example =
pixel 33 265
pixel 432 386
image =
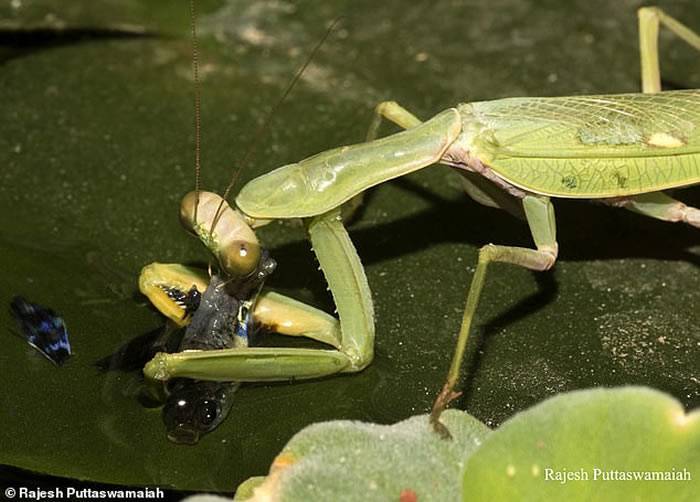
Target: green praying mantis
pixel 515 154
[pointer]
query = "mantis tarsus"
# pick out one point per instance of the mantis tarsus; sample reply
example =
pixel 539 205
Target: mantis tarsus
pixel 514 153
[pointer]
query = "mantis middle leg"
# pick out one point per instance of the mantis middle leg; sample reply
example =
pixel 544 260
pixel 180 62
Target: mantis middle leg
pixel 537 210
pixel 395 113
pixel 539 213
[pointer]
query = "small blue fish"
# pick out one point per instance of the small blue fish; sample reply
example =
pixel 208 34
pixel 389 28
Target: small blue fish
pixel 43 329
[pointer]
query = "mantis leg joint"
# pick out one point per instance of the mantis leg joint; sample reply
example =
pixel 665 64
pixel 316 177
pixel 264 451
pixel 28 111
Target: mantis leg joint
pixel 687 214
pixel 540 260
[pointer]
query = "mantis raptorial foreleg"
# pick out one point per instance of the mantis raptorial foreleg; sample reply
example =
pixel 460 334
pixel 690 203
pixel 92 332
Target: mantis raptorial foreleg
pixel 166 285
pixel 286 316
pixel 346 278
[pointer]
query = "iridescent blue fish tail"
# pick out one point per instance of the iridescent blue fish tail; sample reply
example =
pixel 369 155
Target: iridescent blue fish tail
pixel 43 329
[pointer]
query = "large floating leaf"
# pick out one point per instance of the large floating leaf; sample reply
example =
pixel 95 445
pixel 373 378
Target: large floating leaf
pixel 96 150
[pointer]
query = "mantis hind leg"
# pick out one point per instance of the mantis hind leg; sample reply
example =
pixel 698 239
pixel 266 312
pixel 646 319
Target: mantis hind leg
pixel 649 20
pixel 662 207
pixel 539 213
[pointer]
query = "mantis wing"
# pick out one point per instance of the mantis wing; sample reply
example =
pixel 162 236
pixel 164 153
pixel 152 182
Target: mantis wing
pixel 591 146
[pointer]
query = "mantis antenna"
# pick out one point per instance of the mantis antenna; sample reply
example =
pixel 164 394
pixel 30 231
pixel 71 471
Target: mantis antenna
pixel 197 106
pixel 262 129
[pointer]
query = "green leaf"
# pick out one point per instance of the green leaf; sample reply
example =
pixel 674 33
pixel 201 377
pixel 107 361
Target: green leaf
pixel 584 445
pixel 246 489
pixel 593 444
pixel 372 462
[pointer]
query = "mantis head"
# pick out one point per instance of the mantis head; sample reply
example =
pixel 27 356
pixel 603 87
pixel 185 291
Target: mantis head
pixel 225 233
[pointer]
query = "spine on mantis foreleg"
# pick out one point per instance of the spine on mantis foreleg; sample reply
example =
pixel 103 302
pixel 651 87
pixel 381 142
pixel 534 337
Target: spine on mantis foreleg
pixel 347 281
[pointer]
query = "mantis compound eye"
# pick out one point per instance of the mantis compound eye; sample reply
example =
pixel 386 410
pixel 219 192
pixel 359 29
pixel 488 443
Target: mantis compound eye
pixel 241 258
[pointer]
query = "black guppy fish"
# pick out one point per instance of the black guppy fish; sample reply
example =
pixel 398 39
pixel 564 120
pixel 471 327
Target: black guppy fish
pixel 222 319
